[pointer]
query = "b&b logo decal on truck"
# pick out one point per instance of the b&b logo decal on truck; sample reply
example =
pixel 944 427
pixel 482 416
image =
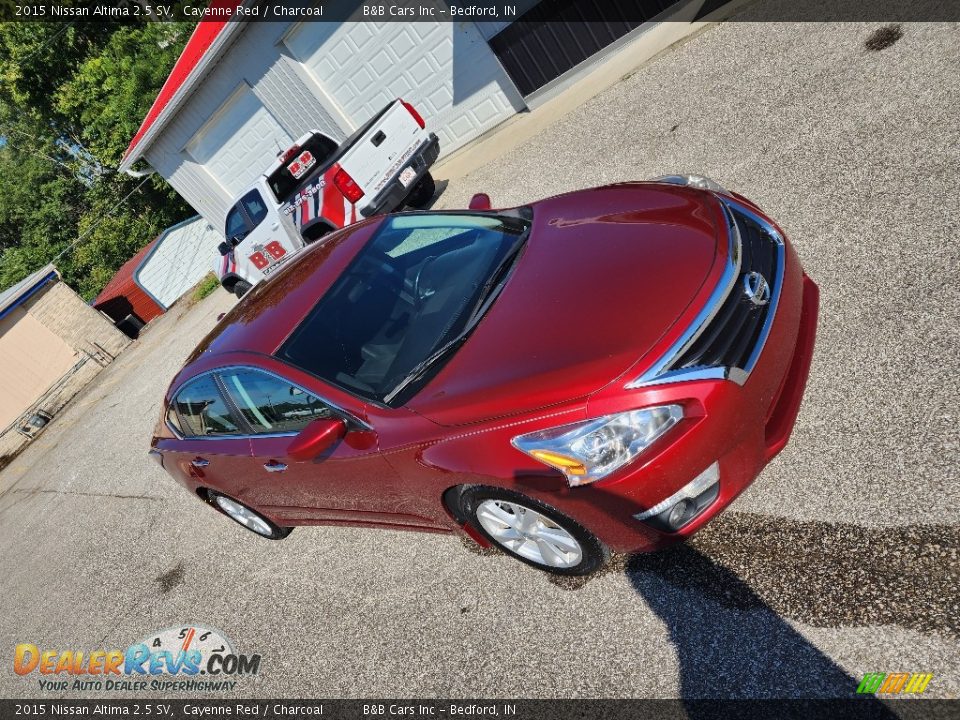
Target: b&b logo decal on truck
pixel 265 255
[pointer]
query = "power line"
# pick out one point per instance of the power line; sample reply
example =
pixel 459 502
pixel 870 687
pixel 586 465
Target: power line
pixel 49 40
pixel 91 228
pixel 43 155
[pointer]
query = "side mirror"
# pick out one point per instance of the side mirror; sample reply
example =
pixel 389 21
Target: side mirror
pixel 480 201
pixel 316 437
pixel 224 248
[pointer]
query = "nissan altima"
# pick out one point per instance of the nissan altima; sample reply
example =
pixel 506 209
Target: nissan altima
pixel 601 371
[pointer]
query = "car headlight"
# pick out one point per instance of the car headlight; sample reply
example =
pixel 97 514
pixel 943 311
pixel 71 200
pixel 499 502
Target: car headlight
pixel 590 450
pixel 697 181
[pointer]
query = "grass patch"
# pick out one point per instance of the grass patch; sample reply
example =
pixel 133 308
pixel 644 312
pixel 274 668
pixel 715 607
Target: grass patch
pixel 205 287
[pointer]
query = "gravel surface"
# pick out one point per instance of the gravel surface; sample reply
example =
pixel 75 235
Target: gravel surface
pixel 840 560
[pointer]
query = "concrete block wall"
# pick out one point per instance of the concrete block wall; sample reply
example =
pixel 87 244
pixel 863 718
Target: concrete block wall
pixel 67 315
pixel 88 332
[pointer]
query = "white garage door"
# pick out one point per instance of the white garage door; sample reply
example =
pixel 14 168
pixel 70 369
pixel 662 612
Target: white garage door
pixel 446 70
pixel 239 142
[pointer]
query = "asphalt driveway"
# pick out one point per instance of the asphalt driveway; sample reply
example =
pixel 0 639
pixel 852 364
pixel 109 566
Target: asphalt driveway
pixel 840 560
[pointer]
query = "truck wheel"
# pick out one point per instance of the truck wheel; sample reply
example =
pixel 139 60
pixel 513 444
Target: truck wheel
pixel 314 233
pixel 241 288
pixel 422 193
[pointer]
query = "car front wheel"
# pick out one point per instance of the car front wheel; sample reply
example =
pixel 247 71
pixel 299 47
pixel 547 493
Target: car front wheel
pixel 250 519
pixel 532 531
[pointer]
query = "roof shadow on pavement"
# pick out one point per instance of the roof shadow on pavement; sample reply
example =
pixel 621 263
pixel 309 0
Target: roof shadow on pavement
pixel 737 647
pixel 725 595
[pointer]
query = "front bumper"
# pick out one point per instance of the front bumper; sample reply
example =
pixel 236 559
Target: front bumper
pixel 741 428
pixel 395 192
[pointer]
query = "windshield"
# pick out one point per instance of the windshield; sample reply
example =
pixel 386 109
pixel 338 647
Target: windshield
pixel 417 287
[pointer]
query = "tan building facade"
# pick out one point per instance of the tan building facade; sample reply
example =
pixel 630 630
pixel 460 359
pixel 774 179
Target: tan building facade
pixel 51 344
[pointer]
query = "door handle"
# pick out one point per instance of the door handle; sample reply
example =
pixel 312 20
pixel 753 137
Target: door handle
pixel 273 466
pixel 275 226
pixel 199 462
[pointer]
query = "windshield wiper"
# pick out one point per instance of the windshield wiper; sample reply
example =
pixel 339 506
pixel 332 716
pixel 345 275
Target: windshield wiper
pixel 420 368
pixel 485 298
pixel 497 278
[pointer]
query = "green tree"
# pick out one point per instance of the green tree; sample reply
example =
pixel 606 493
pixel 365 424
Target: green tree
pixel 41 202
pixel 71 98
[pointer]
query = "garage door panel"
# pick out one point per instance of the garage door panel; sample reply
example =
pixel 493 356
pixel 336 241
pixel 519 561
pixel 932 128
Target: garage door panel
pixel 403 44
pixel 445 69
pixel 239 142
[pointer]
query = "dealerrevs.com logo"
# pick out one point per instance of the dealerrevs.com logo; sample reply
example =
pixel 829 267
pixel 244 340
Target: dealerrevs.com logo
pixel 190 658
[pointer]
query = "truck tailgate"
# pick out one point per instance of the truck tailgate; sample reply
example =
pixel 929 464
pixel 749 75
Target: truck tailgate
pixel 379 153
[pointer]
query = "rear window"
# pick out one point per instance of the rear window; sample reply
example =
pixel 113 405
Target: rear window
pixel 203 411
pixel 283 183
pixel 408 293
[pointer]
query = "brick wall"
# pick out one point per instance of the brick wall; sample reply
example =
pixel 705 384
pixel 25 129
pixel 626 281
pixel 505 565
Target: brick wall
pixel 66 314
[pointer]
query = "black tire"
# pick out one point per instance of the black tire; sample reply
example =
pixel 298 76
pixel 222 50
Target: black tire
pixel 276 532
pixel 315 232
pixel 422 192
pixel 593 552
pixel 241 288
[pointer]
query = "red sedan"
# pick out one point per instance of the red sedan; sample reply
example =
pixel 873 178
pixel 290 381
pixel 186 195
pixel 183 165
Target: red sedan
pixel 603 370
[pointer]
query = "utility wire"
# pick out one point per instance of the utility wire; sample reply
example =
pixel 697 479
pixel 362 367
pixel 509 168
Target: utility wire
pixel 43 155
pixel 49 40
pixel 91 228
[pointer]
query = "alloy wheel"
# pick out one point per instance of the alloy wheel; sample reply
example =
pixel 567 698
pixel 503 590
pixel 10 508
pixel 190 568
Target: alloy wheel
pixel 529 534
pixel 245 516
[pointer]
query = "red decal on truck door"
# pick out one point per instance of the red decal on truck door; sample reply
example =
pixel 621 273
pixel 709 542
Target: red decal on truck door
pixel 259 260
pixel 276 249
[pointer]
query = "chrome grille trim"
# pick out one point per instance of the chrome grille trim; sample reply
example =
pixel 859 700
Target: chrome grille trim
pixel 661 372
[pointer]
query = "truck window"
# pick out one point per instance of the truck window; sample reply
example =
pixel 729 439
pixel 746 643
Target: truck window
pixel 255 207
pixel 236 223
pixel 282 183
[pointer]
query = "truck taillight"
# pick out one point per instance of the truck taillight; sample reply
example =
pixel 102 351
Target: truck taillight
pixel 413 111
pixel 345 184
pixel 288 153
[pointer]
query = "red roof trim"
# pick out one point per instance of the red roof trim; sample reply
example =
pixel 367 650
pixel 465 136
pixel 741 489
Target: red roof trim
pixel 193 53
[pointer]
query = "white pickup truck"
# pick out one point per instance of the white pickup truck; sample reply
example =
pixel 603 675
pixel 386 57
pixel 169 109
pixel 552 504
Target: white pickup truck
pixel 317 186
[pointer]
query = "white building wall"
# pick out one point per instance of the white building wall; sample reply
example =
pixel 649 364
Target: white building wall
pixel 182 256
pixel 255 58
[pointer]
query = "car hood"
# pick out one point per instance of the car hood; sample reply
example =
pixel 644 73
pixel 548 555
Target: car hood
pixel 604 275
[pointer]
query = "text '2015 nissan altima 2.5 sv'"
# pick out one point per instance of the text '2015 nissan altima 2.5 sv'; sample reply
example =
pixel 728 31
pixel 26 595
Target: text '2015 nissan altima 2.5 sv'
pixel 600 371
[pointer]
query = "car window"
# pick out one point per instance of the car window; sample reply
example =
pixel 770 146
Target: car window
pixel 174 419
pixel 236 223
pixel 271 405
pixel 203 411
pixel 255 207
